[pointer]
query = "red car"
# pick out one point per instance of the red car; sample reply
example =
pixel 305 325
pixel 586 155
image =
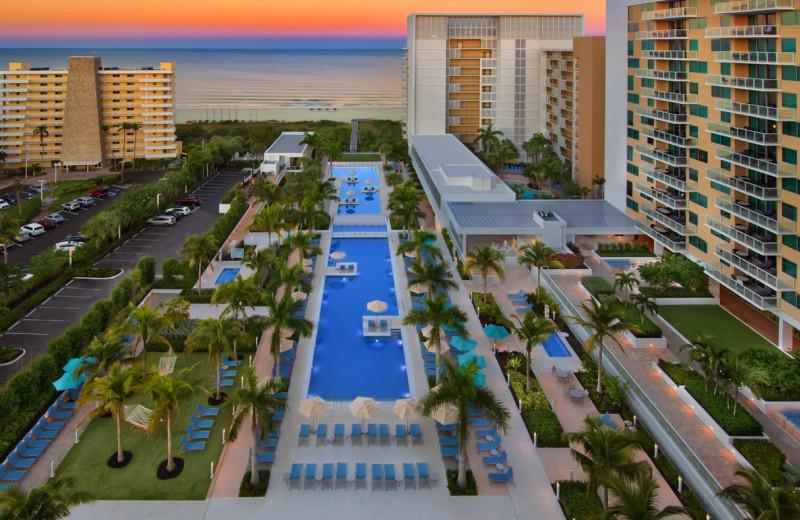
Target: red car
pixel 99 192
pixel 188 201
pixel 47 223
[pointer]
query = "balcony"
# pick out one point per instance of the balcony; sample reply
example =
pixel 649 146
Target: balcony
pixel 664 136
pixel 743 31
pixel 757 164
pixel 763 299
pixel 762 245
pixel 669 34
pixel 744 185
pixel 670 241
pixel 665 217
pixel 676 13
pixel 669 55
pixel 743 211
pixel 667 75
pixel 662 155
pixel 765 275
pixel 670 180
pixel 662 196
pixel 753 6
pixel 661 115
pixel 746 109
pixel 765 84
pixel 672 97
pixel 755 58
pixel 743 134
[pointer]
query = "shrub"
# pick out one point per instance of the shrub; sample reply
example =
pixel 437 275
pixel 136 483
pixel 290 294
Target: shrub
pixel 9 354
pixel 122 294
pixel 545 424
pixel 782 373
pixel 648 327
pixel 765 457
pixel 678 372
pixel 742 424
pixel 246 490
pixel 147 266
pixel 675 269
pixel 597 285
pixel 570 260
pixel 456 490
pixel 577 502
pixel 673 292
pixel 192 297
pixel 536 399
pixel 170 268
pixel 623 249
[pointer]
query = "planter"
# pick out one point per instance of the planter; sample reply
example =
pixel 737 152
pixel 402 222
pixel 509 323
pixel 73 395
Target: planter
pixel 565 272
pixel 686 301
pixel 769 406
pixel 646 342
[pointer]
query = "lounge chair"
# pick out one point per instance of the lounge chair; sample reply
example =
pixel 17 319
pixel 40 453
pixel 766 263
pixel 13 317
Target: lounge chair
pixel 227 373
pixel 370 324
pixel 448 441
pixel 372 434
pixel 327 475
pixel 377 477
pixel 224 382
pixel 230 362
pixel 506 477
pixel 201 424
pixel 355 434
pixel 489 431
pixel 265 458
pixel 416 434
pixel 55 415
pixel 206 412
pixel 400 434
pixel 480 423
pixel 8 475
pixel 391 478
pixel 64 404
pixel 424 476
pixel 282 395
pixel 311 476
pixel 361 474
pixel 274 433
pixel 386 436
pixel 489 446
pixel 31 442
pixel 524 309
pixel 338 433
pixel 409 477
pixel 322 434
pixel 277 416
pixel 305 429
pixel 40 433
pixel 17 462
pixel 196 434
pixel 270 443
pixel 384 324
pixel 341 474
pixel 449 452
pixel 447 427
pixel 186 445
pixel 26 451
pixel 50 425
pixel 516 294
pixel 493 461
pixel 294 476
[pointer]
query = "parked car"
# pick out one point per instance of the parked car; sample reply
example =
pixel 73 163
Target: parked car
pixel 67 245
pixel 71 206
pixel 76 237
pixel 56 217
pixel 47 223
pixel 188 201
pixel 21 238
pixel 162 220
pixel 11 198
pixel 33 229
pixel 99 192
pixel 85 201
pixel 4 205
pixel 179 211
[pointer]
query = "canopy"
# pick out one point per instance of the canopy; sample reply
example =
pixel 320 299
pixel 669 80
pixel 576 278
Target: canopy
pixel 419 288
pixel 377 306
pixel 299 295
pixel 338 255
pixel 313 407
pixel 68 382
pixel 286 344
pixel 447 414
pixel 496 331
pixel 406 409
pixel 76 362
pixel 462 344
pixel 479 378
pixel 466 359
pixel 363 407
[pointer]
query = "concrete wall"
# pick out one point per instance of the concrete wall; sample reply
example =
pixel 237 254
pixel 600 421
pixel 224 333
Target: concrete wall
pixel 81 134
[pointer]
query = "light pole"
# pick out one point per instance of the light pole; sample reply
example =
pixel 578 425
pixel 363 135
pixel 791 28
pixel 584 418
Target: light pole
pixel 158 201
pixel 41 189
pixel 55 180
pixel 26 166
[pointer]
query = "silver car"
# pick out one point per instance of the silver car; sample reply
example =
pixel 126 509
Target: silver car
pixel 162 220
pixel 56 217
pixel 85 201
pixel 71 206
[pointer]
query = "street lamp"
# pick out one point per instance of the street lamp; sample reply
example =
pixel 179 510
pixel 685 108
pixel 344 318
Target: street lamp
pixel 158 201
pixel 41 189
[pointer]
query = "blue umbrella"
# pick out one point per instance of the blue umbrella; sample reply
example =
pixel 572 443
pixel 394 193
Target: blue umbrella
pixel 466 359
pixel 495 332
pixel 479 378
pixel 76 362
pixel 463 344
pixel 67 382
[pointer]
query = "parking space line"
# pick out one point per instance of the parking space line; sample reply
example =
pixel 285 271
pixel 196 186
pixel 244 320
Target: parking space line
pixel 37 319
pixel 82 289
pixel 14 325
pixel 56 307
pixel 25 333
pixel 69 296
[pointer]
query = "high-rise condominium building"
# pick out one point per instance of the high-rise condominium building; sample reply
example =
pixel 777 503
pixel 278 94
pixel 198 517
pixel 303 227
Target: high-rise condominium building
pixel 466 72
pixel 702 139
pixel 79 112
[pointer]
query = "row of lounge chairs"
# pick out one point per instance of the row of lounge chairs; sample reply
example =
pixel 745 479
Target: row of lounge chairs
pixel 384 477
pixel 376 434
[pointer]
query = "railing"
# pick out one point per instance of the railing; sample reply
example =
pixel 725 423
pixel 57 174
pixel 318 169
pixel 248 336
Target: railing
pixel 743 31
pixel 743 134
pixel 669 34
pixel 749 6
pixel 672 97
pixel 764 303
pixel 670 14
pixel 769 223
pixel 779 58
pixel 669 180
pixel 662 155
pixel 662 239
pixel 761 247
pixel 661 115
pixel 669 75
pixel 677 140
pixel 775 113
pixel 674 225
pixel 753 270
pixel 753 163
pixel 743 186
pixel 669 55
pixel 719 80
pixel 703 482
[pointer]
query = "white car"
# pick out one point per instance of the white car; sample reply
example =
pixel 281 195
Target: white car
pixel 32 229
pixel 56 217
pixel 180 210
pixel 4 205
pixel 162 220
pixel 71 206
pixel 67 245
pixel 85 201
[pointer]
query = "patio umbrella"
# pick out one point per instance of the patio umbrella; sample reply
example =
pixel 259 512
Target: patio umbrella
pixel 307 261
pixel 418 288
pixel 462 344
pixel 352 172
pixel 286 344
pixel 406 409
pixel 447 414
pixel 466 359
pixel 313 408
pixel 410 254
pixel 495 332
pixel 363 408
pixel 377 306
pixel 75 363
pixel 443 347
pixel 479 378
pixel 338 255
pixel 369 181
pixel 307 269
pixel 299 295
pixel 350 193
pixel 68 382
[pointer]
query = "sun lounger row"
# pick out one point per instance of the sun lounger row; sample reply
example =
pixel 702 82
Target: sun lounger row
pixel 348 201
pixel 376 434
pixel 351 180
pixel 383 477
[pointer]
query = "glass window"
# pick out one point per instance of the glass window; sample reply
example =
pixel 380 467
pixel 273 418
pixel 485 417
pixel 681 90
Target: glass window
pixel 789 268
pixel 790 156
pixel 789 45
pixel 789 73
pixel 630 48
pixel 632 204
pixel 789 100
pixel 792 241
pixel 789 211
pixel 693 218
pixel 629 188
pixel 630 83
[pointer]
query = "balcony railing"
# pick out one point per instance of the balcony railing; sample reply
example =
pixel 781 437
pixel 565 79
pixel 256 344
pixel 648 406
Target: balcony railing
pixel 753 6
pixel 661 238
pixel 743 31
pixel 676 13
pixel 746 109
pixel 661 115
pixel 662 155
pixel 662 135
pixel 668 75
pixel 767 84
pixel 763 247
pixel 662 196
pixel 743 185
pixel 753 163
pixel 672 97
pixel 669 55
pixel 763 276
pixel 780 227
pixel 762 300
pixel 743 134
pixel 767 58
pixel 674 225
pixel 670 180
pixel 669 34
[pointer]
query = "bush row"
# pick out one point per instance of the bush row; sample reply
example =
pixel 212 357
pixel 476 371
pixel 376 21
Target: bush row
pixel 741 425
pixel 577 502
pixel 782 373
pixel 545 424
pixel 623 249
pixel 673 292
pixel 597 285
pixel 765 457
pixel 536 399
pixel 678 372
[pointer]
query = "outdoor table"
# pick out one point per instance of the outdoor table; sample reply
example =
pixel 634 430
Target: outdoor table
pixel 494 453
pixel 500 467
pixel 562 375
pixel 740 227
pixel 744 203
pixel 664 211
pixel 490 438
pixel 434 478
pixel 575 394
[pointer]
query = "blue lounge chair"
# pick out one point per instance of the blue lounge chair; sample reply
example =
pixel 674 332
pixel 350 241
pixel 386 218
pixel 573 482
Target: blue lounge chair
pixel 289 354
pixel 39 433
pixel 282 395
pixel 492 461
pixel 489 446
pixel 230 362
pixel 371 324
pixel 377 477
pixel 506 477
pixel 391 478
pixel 64 404
pixel 322 434
pixel 449 452
pixel 25 451
pixel 17 462
pixel 31 442
pixel 524 309
pixel 341 474
pixel 476 413
pixel 206 412
pixel 416 434
pixel 355 434
pixel 409 477
pixel 480 423
pixel 186 445
pixel 49 425
pixel 448 441
pixel 400 434
pixel 224 383
pixel 277 416
pixel 311 475
pixel 361 474
pixel 327 475
pixel 338 433
pixel 424 476
pixel 516 294
pixel 489 431
pixel 294 475
pixel 270 443
pixel 372 434
pixel 54 415
pixel 384 324
pixel 305 429
pixel 201 424
pixel 196 434
pixel 265 458
pixel 386 436
pixel 227 373
pixel 274 433
pixel 8 475
pixel 446 427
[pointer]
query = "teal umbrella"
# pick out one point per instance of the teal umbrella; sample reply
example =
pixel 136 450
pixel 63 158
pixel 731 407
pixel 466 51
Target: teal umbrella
pixel 479 378
pixel 68 382
pixel 463 344
pixel 466 359
pixel 495 332
pixel 76 362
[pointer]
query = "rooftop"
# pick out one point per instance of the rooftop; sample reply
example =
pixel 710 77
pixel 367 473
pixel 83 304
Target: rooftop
pixel 288 143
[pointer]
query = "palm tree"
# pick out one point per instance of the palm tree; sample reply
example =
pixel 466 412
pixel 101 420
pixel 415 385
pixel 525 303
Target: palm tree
pixel 2 160
pixel 257 402
pixel 267 192
pixel 100 355
pixel 486 259
pixel 216 336
pixel 536 146
pixel 110 392
pixel 438 313
pixel 270 220
pixel 606 320
pixel 199 249
pixel 262 262
pixel 435 276
pixel 422 241
pixel 487 137
pixel 644 303
pixel 42 132
pixel 167 391
pixel 532 330
pixel 8 230
pixel 135 127
pixel 106 129
pixel 625 281
pixel 124 127
pixel 313 141
pixel 706 352
pixel 409 215
pixel 739 374
pixel 458 389
pixel 636 498
pixel 281 319
pixel 760 499
pixel 238 295
pixel 598 182
pixel 605 452
pixel 144 323
pixel 50 501
pixel 290 278
pixel 538 255
pixel 18 192
pixel 303 243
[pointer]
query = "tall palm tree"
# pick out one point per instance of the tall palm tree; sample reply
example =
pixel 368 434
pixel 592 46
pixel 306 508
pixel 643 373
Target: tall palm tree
pixel 644 303
pixel 101 355
pixel 636 498
pixel 706 351
pixel 738 374
pixel 422 241
pixel 536 146
pixel 270 220
pixel 303 243
pixel 216 336
pixel 538 255
pixel 110 392
pixel 167 391
pixel 267 192
pixel 42 132
pixel 2 160
pixel 199 249
pixel 106 129
pixel 487 136
pixel 486 260
pixel 257 402
pixel 761 500
pixel 409 215
pixel 625 281
pixel 144 323
pixel 50 501
pixel 262 262
pixel 281 318
pixel 124 127
pixel 605 452
pixel 436 276
pixel 18 192
pixel 8 230
pixel 598 182
pixel 532 330
pixel 238 295
pixel 290 278
pixel 458 389
pixel 314 143
pixel 606 320
pixel 437 313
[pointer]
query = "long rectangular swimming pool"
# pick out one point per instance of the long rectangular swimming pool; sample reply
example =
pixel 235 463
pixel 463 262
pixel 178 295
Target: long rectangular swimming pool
pixel 368 203
pixel 346 364
pixel 555 347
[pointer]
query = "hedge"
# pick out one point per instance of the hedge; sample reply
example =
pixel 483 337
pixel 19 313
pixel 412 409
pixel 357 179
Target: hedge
pixel 648 327
pixel 30 301
pixel 765 457
pixel 455 489
pixel 673 292
pixel 535 400
pixel 623 249
pixel 257 491
pixel 577 502
pixel 192 296
pixel 782 374
pixel 678 372
pixel 545 424
pixel 597 285
pixel 741 425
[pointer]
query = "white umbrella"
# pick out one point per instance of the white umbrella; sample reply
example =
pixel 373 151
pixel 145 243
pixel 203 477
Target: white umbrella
pixel 351 172
pixel 418 288
pixel 377 306
pixel 443 346
pixel 411 254
pixel 286 344
pixel 307 261
pixel 338 255
pixel 307 269
pixel 447 414
pixel 363 408
pixel 313 408
pixel 299 295
pixel 406 409
pixel 369 181
pixel 350 193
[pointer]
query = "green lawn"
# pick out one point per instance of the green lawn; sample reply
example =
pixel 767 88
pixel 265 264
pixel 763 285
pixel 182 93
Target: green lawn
pixel 72 189
pixel 362 157
pixel 716 321
pixel 86 461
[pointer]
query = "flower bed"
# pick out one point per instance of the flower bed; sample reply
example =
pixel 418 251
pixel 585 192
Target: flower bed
pixel 257 491
pixel 742 424
pixel 456 490
pixel 597 285
pixel 548 429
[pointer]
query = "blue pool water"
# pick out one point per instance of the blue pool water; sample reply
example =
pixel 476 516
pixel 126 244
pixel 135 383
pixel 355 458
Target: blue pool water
pixel 347 365
pixel 368 203
pixel 793 416
pixel 359 229
pixel 554 346
pixel 228 274
pixel 618 263
pixel 529 193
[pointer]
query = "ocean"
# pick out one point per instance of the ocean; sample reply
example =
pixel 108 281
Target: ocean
pixel 260 84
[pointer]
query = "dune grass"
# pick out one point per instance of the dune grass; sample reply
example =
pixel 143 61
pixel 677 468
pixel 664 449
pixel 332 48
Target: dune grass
pixel 690 320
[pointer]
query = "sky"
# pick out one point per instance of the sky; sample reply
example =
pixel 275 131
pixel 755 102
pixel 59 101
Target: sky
pixel 245 23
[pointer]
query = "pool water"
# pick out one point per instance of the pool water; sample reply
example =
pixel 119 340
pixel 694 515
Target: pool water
pixel 793 416
pixel 346 364
pixel 554 346
pixel 368 203
pixel 226 275
pixel 618 263
pixel 529 194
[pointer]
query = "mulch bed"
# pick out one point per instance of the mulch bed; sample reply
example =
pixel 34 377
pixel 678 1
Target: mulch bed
pixel 212 401
pixel 113 463
pixel 163 474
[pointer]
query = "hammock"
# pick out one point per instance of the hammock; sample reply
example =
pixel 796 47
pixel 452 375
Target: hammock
pixel 167 363
pixel 138 416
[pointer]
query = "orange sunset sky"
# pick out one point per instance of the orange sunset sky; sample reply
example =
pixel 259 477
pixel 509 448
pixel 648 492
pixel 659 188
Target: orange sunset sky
pixel 42 21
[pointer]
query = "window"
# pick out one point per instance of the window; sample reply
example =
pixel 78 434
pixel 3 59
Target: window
pixel 699 243
pixel 789 211
pixel 725 69
pixel 789 267
pixel 789 296
pixel 692 131
pixel 629 188
pixel 789 156
pixel 720 187
pixel 789 100
pixel 630 117
pixel 792 185
pixel 630 153
pixel 693 218
pixel 633 98
pixel 700 200
pixel 630 82
pixel 726 117
pixel 789 45
pixel 630 48
pixel 633 134
pixel 693 88
pixel 789 18
pixel 692 45
pixel 632 204
pixel 789 73
pixel 699 110
pixel 633 63
pixel 693 174
pixel 633 169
